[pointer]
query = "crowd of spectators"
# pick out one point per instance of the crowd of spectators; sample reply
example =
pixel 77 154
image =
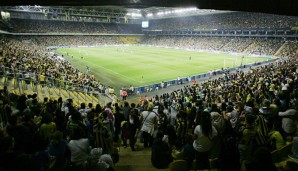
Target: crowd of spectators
pixel 21 55
pixel 54 134
pixel 47 41
pixel 54 26
pixel 251 46
pixel 228 118
pixel 224 21
pixel 38 65
pixel 237 45
pixel 245 111
pixel 289 49
pixel 205 43
pixel 264 47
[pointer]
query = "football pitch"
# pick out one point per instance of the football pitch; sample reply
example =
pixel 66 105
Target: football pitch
pixel 120 66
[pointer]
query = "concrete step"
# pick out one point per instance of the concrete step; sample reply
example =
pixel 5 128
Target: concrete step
pixel 139 160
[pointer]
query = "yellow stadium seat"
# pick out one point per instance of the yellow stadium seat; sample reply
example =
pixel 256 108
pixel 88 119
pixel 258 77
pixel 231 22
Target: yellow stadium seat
pixel 94 98
pixel 64 93
pixel 24 85
pixel 4 81
pixel 41 88
pixel 33 87
pixel 82 95
pixel 14 82
pixel 49 90
pixel 56 91
pixel 16 91
pixel 282 153
pixel 26 92
pixel 88 97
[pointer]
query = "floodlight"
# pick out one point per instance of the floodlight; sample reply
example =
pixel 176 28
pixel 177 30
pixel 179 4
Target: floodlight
pixel 159 13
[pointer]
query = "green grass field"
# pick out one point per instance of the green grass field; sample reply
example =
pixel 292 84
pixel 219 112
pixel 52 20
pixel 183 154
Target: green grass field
pixel 119 66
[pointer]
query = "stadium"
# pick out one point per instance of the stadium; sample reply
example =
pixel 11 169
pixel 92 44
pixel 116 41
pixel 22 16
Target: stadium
pixel 143 87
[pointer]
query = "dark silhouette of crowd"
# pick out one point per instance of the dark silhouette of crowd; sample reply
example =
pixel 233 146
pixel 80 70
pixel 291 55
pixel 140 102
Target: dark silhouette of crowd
pixel 235 118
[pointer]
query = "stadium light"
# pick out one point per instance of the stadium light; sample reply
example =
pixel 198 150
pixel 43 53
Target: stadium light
pixel 159 13
pixel 134 14
pixel 149 15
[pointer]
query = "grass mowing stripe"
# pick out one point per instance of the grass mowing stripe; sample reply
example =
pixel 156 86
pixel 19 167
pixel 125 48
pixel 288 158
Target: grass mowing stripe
pixel 124 65
pixel 109 70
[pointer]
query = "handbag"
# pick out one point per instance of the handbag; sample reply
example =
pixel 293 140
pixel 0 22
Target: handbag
pixel 153 130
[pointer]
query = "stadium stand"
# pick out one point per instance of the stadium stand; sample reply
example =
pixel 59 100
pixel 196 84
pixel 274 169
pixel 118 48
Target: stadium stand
pixel 257 46
pixel 229 20
pixel 47 105
pixel 42 26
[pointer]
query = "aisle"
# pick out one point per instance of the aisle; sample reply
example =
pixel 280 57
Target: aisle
pixel 139 160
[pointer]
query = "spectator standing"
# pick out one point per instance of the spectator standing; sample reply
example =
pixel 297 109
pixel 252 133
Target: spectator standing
pixel 149 121
pixel 79 150
pixel 124 95
pixel 133 126
pixel 203 135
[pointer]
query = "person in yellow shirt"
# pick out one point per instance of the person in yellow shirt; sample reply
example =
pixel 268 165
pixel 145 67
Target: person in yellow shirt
pixel 47 128
pixel 271 90
pixel 41 79
pixel 275 139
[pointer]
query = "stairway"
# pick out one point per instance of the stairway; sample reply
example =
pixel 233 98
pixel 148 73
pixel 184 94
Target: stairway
pixel 280 49
pixel 129 39
pixel 248 48
pixel 139 160
pixel 224 45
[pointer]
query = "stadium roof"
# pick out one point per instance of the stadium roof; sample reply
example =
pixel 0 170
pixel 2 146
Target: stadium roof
pixel 285 7
pixel 121 11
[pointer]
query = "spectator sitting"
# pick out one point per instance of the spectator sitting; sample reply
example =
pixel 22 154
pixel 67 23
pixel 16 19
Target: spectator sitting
pixel 187 153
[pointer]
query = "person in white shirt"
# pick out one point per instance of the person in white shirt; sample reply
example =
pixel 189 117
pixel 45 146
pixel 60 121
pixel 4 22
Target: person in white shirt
pixel 203 135
pixel 289 121
pixel 284 86
pixel 149 120
pixel 79 149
